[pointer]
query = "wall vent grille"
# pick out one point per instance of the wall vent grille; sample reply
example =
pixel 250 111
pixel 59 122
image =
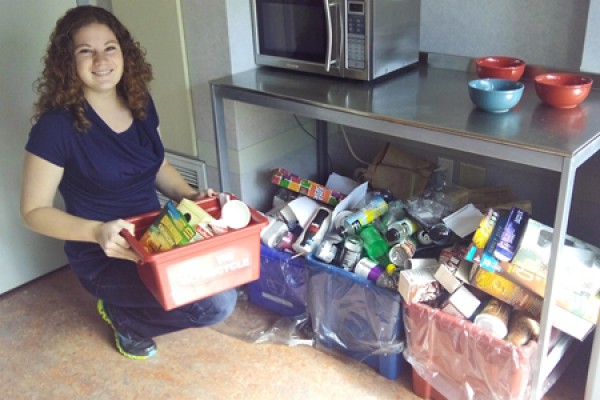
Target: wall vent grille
pixel 192 170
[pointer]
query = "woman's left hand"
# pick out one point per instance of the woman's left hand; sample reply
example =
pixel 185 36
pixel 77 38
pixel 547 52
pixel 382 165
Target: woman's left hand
pixel 108 236
pixel 205 193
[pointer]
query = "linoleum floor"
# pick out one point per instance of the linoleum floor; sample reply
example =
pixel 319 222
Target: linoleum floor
pixel 53 345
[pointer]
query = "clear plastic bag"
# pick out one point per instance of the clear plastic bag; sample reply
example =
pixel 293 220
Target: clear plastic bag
pixel 255 324
pixel 352 315
pixel 345 315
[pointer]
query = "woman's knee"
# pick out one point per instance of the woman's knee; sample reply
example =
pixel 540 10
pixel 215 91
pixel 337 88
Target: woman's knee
pixel 214 309
pixel 226 302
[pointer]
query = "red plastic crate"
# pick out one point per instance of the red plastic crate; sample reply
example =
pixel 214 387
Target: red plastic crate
pixel 461 360
pixel 197 270
pixel 423 389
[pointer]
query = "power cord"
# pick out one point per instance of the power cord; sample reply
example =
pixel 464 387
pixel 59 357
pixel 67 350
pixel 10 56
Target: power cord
pixel 344 135
pixel 304 129
pixel 350 146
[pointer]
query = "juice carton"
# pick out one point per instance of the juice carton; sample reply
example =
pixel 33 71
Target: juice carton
pixel 169 230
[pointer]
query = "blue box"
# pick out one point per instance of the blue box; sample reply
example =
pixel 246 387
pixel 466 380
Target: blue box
pixel 352 315
pixel 281 286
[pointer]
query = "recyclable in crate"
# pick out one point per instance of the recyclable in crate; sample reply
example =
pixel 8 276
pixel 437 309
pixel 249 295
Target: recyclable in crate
pixel 385 244
pixel 383 236
pixel 284 178
pixel 380 227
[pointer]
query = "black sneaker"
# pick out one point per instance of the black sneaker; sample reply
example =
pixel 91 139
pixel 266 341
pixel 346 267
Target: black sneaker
pixel 137 349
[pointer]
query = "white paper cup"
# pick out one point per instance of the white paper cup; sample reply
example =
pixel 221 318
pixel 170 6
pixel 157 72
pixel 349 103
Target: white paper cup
pixel 236 214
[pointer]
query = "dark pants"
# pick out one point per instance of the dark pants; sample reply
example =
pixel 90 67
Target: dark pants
pixel 134 311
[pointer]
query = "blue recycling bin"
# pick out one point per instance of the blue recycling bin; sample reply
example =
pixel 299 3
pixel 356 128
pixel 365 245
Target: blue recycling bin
pixel 281 287
pixel 352 315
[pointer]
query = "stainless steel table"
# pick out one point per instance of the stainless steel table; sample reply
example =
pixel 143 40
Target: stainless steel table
pixel 430 105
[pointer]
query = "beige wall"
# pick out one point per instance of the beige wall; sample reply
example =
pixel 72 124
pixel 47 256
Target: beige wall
pixel 25 26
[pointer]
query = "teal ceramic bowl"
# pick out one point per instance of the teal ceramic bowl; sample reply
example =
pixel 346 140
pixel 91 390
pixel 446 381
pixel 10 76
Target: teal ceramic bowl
pixel 495 95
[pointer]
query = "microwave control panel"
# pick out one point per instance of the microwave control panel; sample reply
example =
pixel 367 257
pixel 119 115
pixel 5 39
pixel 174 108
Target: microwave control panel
pixel 355 34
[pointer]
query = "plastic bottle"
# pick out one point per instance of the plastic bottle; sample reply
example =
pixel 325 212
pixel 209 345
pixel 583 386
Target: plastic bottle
pixel 363 217
pixel 396 212
pixel 486 226
pixel 399 231
pixel 374 244
pixel 372 271
pixel 401 252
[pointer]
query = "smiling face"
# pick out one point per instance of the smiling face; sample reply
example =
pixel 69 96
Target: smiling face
pixel 98 59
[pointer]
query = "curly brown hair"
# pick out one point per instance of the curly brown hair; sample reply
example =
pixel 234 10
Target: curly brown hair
pixel 59 86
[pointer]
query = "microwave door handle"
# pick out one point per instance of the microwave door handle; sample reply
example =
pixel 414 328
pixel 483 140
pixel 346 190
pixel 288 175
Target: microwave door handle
pixel 328 61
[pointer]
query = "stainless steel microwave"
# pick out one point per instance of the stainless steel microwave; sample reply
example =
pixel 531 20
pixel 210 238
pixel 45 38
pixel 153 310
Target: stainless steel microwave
pixel 356 39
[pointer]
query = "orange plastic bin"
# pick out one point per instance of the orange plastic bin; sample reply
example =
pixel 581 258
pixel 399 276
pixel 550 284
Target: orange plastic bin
pixel 461 361
pixel 197 270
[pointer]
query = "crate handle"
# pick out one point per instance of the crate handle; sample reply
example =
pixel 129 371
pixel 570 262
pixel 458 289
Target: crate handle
pixel 135 246
pixel 256 216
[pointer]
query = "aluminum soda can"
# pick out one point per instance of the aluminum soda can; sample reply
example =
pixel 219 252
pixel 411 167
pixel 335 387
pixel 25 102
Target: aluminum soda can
pixel 401 252
pixel 424 238
pixel 353 223
pixel 368 269
pixel 440 234
pixel 351 252
pixel 338 221
pixel 399 231
pixel 494 318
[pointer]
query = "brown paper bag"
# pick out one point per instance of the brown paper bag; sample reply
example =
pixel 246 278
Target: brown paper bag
pixel 404 174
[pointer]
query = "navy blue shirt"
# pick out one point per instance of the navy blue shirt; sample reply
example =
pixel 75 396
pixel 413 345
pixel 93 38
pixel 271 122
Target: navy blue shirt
pixel 107 175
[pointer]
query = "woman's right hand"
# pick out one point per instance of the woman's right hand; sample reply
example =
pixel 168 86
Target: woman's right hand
pixel 108 236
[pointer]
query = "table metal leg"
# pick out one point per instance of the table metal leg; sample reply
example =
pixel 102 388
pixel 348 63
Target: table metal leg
pixel 592 389
pixel 322 155
pixel 561 219
pixel 220 139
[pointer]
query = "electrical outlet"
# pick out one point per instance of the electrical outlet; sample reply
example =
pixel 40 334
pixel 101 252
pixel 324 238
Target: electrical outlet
pixel 471 176
pixel 446 166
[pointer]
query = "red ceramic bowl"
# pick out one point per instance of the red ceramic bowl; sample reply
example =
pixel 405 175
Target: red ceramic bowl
pixel 500 67
pixel 562 90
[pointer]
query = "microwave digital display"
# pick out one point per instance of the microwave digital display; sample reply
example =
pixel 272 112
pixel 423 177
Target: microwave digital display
pixel 355 7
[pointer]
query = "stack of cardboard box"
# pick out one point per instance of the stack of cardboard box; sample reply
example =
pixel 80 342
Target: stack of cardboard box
pixel 464 272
